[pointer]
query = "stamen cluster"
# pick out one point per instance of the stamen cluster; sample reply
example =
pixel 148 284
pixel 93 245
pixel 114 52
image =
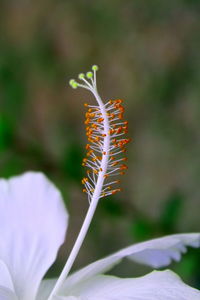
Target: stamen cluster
pixel 96 134
pixel 105 129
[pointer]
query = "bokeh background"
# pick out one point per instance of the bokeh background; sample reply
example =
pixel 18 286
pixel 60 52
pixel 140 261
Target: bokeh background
pixel 148 54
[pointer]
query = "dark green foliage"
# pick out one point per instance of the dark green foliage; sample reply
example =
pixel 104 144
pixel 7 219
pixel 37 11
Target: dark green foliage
pixel 142 229
pixel 171 212
pixel 113 208
pixel 71 164
pixel 6 134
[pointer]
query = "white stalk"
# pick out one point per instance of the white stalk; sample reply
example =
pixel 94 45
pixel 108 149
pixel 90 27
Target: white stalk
pixel 94 200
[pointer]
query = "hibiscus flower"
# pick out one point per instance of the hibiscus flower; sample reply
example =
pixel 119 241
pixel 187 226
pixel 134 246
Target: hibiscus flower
pixel 33 223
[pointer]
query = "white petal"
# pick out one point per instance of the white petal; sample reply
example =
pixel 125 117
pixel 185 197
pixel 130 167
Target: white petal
pixel 156 253
pixel 68 298
pixel 160 252
pixel 5 277
pixel 33 222
pixel 6 294
pixel 45 288
pixel 158 285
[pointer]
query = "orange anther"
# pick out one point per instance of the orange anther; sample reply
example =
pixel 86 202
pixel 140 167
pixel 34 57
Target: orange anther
pixel 95 126
pixel 100 120
pixel 127 140
pixel 118 130
pixel 111 131
pixel 97 139
pixel 89 152
pixel 123 167
pixel 84 180
pixel 121 108
pixel 117 181
pixel 115 191
pixel 115 163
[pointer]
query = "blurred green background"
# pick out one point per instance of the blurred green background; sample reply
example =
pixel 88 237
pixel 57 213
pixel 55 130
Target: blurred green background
pixel 148 54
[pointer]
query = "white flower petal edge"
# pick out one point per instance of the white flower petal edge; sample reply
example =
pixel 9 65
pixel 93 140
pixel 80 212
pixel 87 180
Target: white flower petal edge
pixel 5 278
pixel 158 285
pixel 33 222
pixel 45 288
pixel 156 253
pixel 6 294
pixel 6 284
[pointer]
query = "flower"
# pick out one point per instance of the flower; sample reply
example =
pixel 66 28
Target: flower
pixel 33 222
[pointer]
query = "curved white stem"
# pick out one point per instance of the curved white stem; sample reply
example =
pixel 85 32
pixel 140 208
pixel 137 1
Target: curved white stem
pixel 94 200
